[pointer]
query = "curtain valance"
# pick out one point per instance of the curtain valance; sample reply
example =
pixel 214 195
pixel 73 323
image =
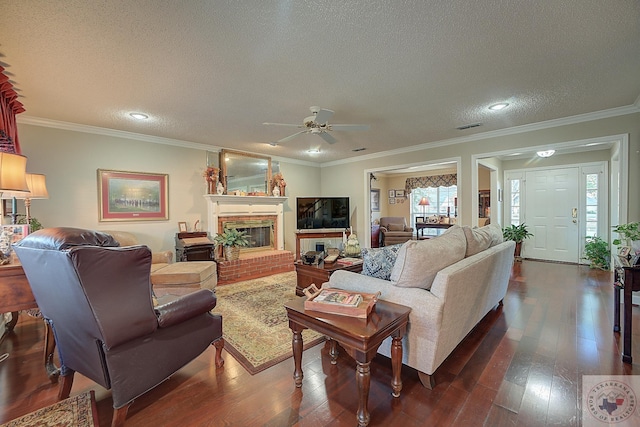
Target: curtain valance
pixel 9 107
pixel 430 181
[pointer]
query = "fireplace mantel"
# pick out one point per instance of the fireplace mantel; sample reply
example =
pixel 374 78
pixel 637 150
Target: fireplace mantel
pixel 231 206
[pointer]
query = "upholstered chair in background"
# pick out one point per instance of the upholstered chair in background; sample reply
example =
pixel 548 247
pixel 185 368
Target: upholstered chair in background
pixel 97 298
pixel 394 230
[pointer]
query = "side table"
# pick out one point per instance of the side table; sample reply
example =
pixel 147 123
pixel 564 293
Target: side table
pixel 627 280
pixel 318 274
pixel 359 337
pixel 16 295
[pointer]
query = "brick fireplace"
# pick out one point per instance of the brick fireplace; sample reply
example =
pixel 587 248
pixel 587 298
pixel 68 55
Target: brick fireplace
pixel 262 217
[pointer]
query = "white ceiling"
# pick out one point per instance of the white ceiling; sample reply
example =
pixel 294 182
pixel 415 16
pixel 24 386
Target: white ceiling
pixel 211 72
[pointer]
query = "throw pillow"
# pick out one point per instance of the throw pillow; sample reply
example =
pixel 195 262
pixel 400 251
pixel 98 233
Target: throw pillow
pixel 395 227
pixel 419 262
pixel 496 232
pixel 378 262
pixel 478 239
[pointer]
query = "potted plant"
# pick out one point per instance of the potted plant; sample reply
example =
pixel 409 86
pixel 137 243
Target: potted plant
pixel 629 235
pixel 517 233
pixel 597 251
pixel 231 240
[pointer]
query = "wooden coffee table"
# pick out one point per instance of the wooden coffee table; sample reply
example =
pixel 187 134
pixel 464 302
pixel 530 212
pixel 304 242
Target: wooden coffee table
pixel 359 337
pixel 319 274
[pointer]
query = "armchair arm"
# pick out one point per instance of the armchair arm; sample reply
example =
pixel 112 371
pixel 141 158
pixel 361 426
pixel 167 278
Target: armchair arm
pixel 185 308
pixel 383 229
pixel 408 229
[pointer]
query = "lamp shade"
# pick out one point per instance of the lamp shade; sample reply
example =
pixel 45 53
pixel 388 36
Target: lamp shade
pixel 37 184
pixel 424 202
pixel 13 169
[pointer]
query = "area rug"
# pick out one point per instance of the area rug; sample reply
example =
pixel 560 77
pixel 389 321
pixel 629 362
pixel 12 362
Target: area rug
pixel 254 321
pixel 76 411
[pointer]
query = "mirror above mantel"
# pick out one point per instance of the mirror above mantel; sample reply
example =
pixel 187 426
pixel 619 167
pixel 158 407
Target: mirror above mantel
pixel 245 172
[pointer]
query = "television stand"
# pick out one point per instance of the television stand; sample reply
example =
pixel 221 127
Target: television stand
pixel 316 235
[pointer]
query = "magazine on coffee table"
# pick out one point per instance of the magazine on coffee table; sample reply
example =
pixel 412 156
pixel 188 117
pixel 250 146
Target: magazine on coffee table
pixel 339 301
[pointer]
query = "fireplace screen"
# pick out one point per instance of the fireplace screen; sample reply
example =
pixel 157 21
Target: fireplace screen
pixel 260 232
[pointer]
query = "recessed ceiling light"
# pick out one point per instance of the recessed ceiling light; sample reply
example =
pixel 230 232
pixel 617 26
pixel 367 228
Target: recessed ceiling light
pixel 499 106
pixel 139 116
pixel 313 151
pixel 546 153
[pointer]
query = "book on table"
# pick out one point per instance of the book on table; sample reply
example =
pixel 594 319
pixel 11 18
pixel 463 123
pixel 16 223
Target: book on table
pixel 350 261
pixel 339 301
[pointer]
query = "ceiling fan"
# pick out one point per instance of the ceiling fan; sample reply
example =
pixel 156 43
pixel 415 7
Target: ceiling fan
pixel 318 124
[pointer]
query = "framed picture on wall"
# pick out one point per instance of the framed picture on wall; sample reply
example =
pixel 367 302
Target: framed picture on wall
pixel 392 200
pixel 399 193
pixel 392 193
pixel 375 200
pixel 132 196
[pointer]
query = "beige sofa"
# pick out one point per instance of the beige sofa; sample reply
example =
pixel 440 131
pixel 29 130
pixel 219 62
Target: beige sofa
pixel 450 282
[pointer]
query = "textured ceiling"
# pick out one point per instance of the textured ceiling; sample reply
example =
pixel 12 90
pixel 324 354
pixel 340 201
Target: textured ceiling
pixel 211 72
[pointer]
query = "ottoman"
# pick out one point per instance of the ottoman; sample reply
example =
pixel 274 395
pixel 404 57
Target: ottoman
pixel 184 277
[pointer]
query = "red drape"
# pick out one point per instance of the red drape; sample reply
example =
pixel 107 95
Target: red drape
pixel 9 107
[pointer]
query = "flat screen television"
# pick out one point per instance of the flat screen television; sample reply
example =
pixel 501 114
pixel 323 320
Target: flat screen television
pixel 317 213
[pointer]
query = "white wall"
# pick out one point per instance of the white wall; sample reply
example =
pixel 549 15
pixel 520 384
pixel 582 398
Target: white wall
pixel 70 161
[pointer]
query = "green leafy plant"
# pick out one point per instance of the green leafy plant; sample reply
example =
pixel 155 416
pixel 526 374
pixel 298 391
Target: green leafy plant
pixel 35 224
pixel 517 233
pixel 598 252
pixel 231 237
pixel 629 232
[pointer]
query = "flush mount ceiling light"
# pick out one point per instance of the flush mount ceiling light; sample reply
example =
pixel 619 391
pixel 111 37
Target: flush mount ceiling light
pixel 313 150
pixel 546 153
pixel 139 116
pixel 499 106
pixel 273 144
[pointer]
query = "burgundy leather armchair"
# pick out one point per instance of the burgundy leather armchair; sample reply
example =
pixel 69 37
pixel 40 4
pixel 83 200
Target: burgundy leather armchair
pixel 97 298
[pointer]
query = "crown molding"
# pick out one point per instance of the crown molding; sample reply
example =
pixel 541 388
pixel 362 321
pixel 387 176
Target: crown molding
pixel 56 124
pixel 603 114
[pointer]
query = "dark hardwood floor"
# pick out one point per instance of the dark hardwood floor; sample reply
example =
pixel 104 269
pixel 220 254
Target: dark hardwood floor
pixel 522 365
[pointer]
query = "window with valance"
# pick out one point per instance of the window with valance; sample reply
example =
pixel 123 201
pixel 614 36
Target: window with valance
pixel 440 190
pixel 446 180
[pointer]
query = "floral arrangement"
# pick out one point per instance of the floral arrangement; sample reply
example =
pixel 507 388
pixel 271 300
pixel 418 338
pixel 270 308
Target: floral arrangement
pixel 277 180
pixel 211 174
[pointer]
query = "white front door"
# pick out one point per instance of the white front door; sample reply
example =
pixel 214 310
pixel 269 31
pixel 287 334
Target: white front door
pixel 552 215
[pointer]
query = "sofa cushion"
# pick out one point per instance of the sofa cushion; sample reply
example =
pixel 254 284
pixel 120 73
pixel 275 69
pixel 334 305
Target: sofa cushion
pixel 378 262
pixel 418 262
pixel 496 232
pixel 478 239
pixel 395 227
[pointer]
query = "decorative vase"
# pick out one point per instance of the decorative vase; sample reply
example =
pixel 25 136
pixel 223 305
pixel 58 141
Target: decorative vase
pixel 276 192
pixel 517 251
pixel 211 187
pixel 352 248
pixel 281 188
pixel 231 253
pixel 220 189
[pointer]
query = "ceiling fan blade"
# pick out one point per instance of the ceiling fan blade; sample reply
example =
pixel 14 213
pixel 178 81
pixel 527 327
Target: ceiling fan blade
pixel 323 116
pixel 349 127
pixel 290 137
pixel 284 124
pixel 330 139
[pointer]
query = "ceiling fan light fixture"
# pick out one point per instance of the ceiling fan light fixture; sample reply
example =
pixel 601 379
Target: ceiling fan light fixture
pixel 546 153
pixel 499 106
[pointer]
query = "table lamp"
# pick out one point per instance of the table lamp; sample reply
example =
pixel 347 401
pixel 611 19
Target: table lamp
pixel 37 189
pixel 13 174
pixel 424 202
